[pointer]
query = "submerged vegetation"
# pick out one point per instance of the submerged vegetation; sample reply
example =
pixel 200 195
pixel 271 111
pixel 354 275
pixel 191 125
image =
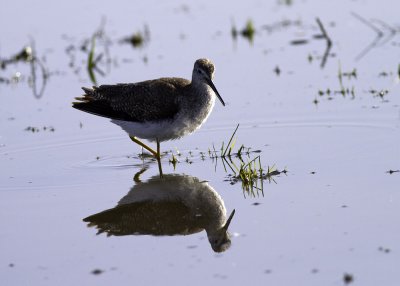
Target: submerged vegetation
pixel 348 90
pixel 92 64
pixel 343 90
pixel 241 164
pixel 322 36
pixel 139 38
pixel 37 75
pixel 136 40
pixel 95 51
pixel 252 175
pixel 248 170
pixel 173 161
pixel 95 57
pixel 37 129
pixel 247 32
pixel 242 167
pixel 25 55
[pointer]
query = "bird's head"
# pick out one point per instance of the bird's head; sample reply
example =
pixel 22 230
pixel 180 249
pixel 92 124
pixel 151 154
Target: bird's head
pixel 220 240
pixel 203 71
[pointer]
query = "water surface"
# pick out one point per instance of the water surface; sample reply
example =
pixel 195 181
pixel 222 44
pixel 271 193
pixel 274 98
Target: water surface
pixel 334 213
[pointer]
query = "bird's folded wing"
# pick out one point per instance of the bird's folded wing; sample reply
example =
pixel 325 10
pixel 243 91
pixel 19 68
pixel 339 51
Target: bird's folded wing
pixel 144 101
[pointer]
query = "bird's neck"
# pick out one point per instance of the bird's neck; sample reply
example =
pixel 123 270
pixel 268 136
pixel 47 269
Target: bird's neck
pixel 199 100
pixel 202 93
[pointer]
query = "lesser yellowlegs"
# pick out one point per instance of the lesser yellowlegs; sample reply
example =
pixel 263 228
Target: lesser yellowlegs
pixel 175 205
pixel 157 110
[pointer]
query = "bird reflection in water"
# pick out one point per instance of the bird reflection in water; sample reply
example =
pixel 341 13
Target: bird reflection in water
pixel 173 205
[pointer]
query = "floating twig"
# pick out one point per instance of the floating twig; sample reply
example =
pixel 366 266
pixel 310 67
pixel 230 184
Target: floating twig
pixel 380 34
pixel 34 63
pixel 328 42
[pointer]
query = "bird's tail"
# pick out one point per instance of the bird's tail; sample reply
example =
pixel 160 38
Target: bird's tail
pixel 85 98
pixel 92 102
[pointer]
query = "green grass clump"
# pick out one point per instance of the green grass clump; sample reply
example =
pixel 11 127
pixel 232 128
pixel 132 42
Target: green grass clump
pixel 249 31
pixel 173 161
pixel 136 40
pixel 250 173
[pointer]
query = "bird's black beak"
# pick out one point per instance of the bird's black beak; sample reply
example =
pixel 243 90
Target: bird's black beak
pixel 228 222
pixel 210 83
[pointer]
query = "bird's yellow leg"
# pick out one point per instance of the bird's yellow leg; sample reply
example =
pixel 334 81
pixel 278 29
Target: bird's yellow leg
pixel 137 141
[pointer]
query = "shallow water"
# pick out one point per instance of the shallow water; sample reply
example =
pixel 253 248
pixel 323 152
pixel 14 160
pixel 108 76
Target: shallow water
pixel 334 212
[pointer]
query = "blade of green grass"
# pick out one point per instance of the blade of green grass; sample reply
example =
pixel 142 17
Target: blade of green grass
pixel 230 140
pixel 91 64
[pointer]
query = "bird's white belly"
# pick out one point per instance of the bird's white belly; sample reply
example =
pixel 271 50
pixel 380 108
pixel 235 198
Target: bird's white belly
pixel 163 130
pixel 186 122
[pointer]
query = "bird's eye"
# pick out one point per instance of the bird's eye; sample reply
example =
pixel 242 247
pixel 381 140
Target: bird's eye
pixel 199 70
